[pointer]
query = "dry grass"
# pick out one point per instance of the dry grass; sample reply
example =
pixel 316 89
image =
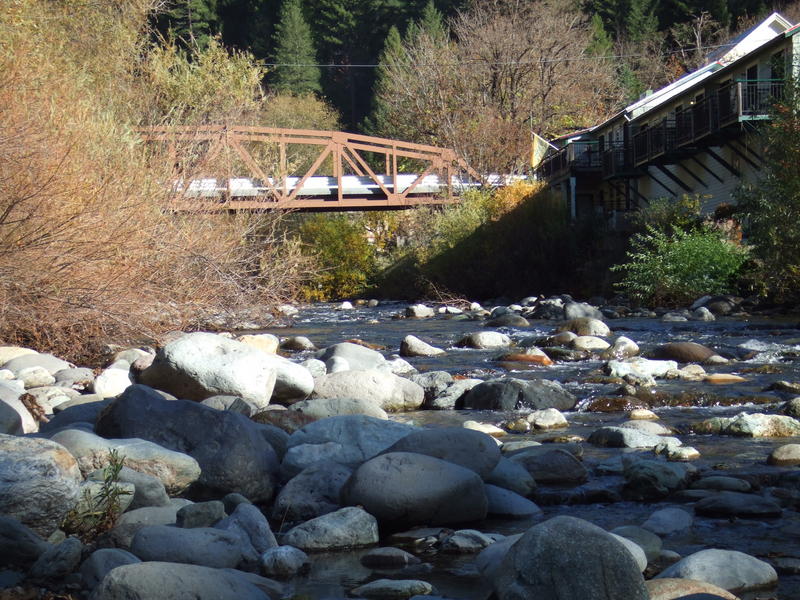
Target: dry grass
pixel 86 253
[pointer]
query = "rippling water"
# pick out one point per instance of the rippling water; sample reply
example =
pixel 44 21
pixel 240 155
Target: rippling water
pixel 753 342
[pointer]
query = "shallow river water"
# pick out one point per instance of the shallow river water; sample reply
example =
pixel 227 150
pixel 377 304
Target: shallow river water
pixel 753 341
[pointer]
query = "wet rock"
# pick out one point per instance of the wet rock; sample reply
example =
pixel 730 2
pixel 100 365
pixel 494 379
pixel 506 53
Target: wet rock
pixel 505 503
pixel 199 365
pixel 464 447
pixel 586 326
pixel 284 562
pixel 38 481
pixel 728 569
pixel 311 493
pixel 413 346
pixel 735 504
pixel 621 349
pixel 647 480
pixel 350 527
pixel 508 320
pixel 298 343
pixel 466 541
pixel 648 427
pixel 622 437
pixel 792 408
pixel 676 589
pixel 682 352
pixel 452 395
pixel 551 466
pixel 530 356
pixel 487 428
pixel 750 425
pixel 484 340
pixel 545 560
pixel 386 390
pixel 549 418
pixel 101 562
pixel 388 558
pixel 787 455
pixel 722 484
pixel 680 454
pixel 614 404
pixel 667 521
pixel 723 378
pixel 703 314
pixel 322 408
pixel 390 589
pixel 407 488
pixel 171 581
pixel 232 452
pixel 356 356
pixel 514 394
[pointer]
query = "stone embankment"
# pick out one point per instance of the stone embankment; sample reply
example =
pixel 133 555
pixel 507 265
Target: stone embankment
pixel 243 468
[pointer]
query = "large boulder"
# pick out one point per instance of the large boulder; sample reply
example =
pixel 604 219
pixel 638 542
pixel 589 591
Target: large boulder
pixel 349 527
pixel 410 489
pixel 384 389
pixel 197 546
pixel 356 357
pixel 252 527
pixel 48 362
pixel 311 493
pixel 14 417
pixel 293 381
pixel 653 479
pixel 200 365
pixel 39 482
pixel 232 453
pixel 413 346
pixel 566 558
pixel 683 352
pixel 549 465
pixel 176 470
pixel 678 589
pixel 484 340
pixel 586 326
pixel 348 440
pixel 322 408
pixel 515 394
pixel 734 504
pixel 101 562
pixel 173 581
pixel 471 449
pixel 731 570
pixel 627 437
pixel 19 545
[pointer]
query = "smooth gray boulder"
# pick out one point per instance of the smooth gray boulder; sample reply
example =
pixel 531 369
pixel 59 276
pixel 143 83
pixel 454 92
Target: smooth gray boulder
pixel 578 310
pixel 231 403
pixel 172 581
pixel 39 482
pixel 413 346
pixel 750 425
pixel 667 521
pixel 112 382
pixel 515 394
pixel 322 408
pixel 490 558
pixel 388 558
pixel 512 476
pixel 647 480
pixel 14 417
pixel 57 561
pixel 349 527
pixel 200 514
pixel 346 439
pixel 386 390
pixel 19 545
pixel 394 588
pixel 250 524
pixel 648 541
pixel 232 453
pixel 48 362
pixel 200 546
pixel 411 489
pixel 484 340
pixel 101 562
pixel 731 570
pixel 199 365
pixel 84 412
pixel 736 504
pixel 148 490
pixel 465 447
pixel 628 437
pixel 505 503
pixel 293 381
pixel 175 470
pixel 132 521
pixel 452 395
pixel 358 357
pixel 311 493
pixel 551 465
pixel 566 558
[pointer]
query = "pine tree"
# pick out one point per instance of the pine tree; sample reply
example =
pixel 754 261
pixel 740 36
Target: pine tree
pixel 601 43
pixel 641 23
pixel 189 20
pixel 295 57
pixel 378 121
pixel 429 23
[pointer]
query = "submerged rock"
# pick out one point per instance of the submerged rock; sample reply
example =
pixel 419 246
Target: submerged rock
pixel 751 425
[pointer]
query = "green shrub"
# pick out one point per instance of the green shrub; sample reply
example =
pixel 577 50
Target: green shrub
pixel 666 213
pixel 679 266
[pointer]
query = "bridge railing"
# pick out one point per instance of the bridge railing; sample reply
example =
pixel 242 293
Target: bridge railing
pixel 345 152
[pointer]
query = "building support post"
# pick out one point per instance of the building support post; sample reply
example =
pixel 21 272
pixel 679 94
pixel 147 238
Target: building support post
pixel 573 207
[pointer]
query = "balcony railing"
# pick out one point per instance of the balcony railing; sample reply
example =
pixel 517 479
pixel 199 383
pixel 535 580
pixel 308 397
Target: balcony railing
pixel 576 156
pixel 618 160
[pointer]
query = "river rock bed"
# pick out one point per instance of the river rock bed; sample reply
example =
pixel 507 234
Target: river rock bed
pixel 548 448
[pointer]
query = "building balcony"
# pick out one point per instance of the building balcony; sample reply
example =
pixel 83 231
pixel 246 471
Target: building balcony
pixel 575 157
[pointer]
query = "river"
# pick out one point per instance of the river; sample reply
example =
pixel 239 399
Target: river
pixel 755 342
